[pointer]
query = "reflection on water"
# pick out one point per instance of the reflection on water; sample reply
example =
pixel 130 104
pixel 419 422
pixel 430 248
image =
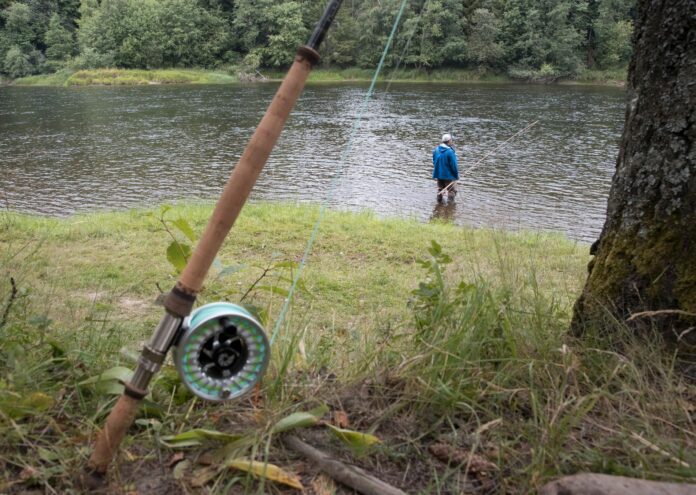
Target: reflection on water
pixel 444 211
pixel 64 150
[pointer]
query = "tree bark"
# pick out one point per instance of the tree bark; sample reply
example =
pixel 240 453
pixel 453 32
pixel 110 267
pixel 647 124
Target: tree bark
pixel 645 257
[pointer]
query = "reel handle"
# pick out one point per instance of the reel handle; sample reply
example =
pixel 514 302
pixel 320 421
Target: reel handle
pixel 109 439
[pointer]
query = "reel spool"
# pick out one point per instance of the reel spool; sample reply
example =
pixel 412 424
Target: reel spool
pixel 223 352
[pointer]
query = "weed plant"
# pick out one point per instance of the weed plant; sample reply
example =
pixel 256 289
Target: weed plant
pixel 425 335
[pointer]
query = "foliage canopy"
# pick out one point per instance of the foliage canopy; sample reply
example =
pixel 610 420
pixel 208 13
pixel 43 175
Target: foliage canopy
pixel 531 39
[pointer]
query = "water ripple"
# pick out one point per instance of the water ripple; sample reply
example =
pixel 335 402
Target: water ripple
pixel 64 150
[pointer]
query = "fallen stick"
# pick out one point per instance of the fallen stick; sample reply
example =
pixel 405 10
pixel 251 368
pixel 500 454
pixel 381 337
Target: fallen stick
pixel 347 474
pixel 657 449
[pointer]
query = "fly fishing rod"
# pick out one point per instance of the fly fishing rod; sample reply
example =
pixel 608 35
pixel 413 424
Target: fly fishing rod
pixel 221 350
pixel 481 160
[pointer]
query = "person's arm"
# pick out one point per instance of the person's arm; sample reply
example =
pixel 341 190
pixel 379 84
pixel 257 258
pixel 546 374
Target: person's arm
pixel 454 168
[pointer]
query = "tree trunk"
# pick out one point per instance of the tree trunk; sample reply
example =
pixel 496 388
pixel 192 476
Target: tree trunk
pixel 645 257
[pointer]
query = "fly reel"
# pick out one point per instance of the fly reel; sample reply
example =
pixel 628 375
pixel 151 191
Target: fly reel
pixel 222 353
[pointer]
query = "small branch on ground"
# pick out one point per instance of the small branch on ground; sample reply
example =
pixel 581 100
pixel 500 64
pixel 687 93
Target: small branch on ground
pixel 657 449
pixel 347 474
pixel 265 272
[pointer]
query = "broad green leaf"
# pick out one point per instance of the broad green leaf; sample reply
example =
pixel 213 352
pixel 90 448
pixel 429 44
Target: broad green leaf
pixel 434 248
pixel 358 442
pixel 197 437
pixel 149 423
pixel 268 471
pixel 109 382
pixel 295 420
pixel 184 444
pixel 319 411
pixel 112 374
pixel 300 419
pixel 185 228
pixel 108 388
pixel 178 255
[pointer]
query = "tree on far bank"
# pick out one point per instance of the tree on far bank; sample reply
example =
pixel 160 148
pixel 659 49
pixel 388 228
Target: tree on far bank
pixel 153 33
pixel 484 47
pixel 645 257
pixel 18 41
pixel 17 63
pixel 613 28
pixel 60 45
pixel 440 39
pixel 286 32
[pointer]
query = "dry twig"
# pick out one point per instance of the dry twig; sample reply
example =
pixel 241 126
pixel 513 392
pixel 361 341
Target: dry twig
pixel 347 474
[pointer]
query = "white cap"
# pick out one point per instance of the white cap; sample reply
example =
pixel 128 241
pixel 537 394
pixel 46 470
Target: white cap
pixel 446 137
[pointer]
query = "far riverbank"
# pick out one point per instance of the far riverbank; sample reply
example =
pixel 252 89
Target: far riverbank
pixel 121 77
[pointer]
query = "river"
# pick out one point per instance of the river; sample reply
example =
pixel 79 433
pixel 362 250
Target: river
pixel 68 150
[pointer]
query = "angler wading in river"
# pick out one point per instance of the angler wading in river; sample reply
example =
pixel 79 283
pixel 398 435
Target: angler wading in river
pixel 445 169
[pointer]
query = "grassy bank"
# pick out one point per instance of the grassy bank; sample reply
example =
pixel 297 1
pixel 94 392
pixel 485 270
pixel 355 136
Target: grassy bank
pixel 190 76
pixel 456 358
pixel 400 75
pixel 611 77
pixel 127 77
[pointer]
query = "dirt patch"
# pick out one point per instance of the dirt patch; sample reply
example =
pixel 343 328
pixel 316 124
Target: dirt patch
pixel 134 305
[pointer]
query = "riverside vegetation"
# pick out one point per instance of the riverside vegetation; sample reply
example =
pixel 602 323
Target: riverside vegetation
pixel 529 40
pixel 122 77
pixel 447 344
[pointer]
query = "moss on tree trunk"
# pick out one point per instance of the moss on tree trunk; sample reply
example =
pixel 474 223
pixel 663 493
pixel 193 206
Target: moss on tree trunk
pixel 646 254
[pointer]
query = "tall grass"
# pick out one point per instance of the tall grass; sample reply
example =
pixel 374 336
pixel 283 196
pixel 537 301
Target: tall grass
pixel 615 76
pixel 458 342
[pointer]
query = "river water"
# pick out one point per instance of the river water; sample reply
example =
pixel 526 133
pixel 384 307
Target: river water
pixel 67 150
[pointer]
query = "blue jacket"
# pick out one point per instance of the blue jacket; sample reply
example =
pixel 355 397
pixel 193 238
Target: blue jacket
pixel 445 163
